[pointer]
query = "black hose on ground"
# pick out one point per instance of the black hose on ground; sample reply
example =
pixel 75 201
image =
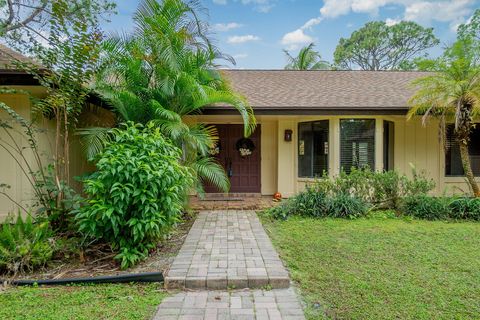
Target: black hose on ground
pixel 121 278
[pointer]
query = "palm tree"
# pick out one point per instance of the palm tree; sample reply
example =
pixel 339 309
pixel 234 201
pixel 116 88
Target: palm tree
pixel 162 72
pixel 307 59
pixel 452 93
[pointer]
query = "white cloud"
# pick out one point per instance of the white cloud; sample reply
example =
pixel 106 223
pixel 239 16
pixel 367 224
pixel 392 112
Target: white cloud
pixel 242 39
pixel 224 27
pixel 453 12
pixel 240 56
pixel 421 11
pixel 391 22
pixel 259 5
pixel 294 39
pixel 312 22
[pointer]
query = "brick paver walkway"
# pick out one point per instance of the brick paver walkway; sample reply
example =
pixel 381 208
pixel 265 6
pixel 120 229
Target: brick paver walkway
pixel 281 304
pixel 227 249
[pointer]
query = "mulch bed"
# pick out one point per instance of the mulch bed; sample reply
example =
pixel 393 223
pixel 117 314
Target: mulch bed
pixel 98 260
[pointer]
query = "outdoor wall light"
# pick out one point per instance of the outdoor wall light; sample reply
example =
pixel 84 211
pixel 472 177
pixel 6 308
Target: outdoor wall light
pixel 288 135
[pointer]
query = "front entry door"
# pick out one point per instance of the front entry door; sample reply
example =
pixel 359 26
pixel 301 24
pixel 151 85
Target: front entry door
pixel 242 170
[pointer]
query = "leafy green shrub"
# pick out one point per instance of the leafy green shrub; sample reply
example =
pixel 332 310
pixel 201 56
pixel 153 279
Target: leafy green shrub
pixel 353 195
pixel 312 203
pixel 426 207
pixel 24 245
pixel 283 211
pixel 346 206
pixel 437 208
pixel 137 193
pixel 309 203
pixel 465 208
pixel 379 189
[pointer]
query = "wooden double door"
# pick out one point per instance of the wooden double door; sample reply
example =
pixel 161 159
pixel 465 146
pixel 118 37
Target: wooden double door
pixel 242 170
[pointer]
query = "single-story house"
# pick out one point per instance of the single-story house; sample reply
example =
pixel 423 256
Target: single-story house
pixel 316 122
pixel 310 123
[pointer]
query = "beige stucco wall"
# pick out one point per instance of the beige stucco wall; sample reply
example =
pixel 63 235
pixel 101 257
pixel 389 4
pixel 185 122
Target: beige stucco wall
pixel 414 145
pixel 11 173
pixel 419 145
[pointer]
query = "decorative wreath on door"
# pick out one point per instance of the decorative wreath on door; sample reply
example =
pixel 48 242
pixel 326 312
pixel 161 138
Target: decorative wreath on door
pixel 215 149
pixel 245 147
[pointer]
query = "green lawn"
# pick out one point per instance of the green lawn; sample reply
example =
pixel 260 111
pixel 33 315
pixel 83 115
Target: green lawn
pixel 122 301
pixel 383 269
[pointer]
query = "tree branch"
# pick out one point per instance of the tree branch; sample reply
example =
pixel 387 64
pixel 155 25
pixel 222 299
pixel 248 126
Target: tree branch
pixel 28 19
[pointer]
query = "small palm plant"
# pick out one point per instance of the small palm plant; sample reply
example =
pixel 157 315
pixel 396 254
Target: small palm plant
pixel 307 59
pixel 24 245
pixel 452 93
pixel 162 72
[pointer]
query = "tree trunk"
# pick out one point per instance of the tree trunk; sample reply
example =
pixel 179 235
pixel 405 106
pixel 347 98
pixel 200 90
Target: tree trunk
pixel 467 167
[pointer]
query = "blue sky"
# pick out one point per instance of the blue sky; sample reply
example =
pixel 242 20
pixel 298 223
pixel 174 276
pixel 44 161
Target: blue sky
pixel 254 32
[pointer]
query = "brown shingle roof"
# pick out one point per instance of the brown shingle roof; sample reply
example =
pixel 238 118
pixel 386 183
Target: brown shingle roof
pixel 9 56
pixel 275 91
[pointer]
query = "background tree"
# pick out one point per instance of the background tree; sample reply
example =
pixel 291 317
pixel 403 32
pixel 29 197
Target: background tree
pixel 162 72
pixel 452 93
pixel 471 29
pixel 377 46
pixel 24 21
pixel 307 59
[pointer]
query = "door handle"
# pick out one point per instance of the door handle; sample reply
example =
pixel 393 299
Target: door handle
pixel 229 168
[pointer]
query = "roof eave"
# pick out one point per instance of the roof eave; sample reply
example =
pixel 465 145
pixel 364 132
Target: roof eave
pixel 311 110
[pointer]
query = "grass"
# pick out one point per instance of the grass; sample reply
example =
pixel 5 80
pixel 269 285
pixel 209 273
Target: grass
pixel 108 301
pixel 382 268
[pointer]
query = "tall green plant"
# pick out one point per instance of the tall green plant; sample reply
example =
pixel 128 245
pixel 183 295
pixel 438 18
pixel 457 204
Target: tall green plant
pixel 306 59
pixel 137 193
pixel 163 71
pixel 452 93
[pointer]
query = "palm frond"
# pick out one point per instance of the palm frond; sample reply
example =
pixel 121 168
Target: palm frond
pixel 227 97
pixel 306 59
pixel 94 139
pixel 208 170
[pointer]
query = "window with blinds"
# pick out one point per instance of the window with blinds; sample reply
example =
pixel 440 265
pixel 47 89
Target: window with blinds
pixel 357 144
pixel 453 161
pixel 312 149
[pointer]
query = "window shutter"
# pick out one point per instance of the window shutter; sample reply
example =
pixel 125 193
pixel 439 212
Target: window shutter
pixel 357 144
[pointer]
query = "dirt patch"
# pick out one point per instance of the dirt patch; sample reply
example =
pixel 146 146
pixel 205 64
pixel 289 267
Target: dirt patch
pixel 98 260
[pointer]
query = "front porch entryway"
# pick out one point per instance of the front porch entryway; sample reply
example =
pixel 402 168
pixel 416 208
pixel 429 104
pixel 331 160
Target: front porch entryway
pixel 240 157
